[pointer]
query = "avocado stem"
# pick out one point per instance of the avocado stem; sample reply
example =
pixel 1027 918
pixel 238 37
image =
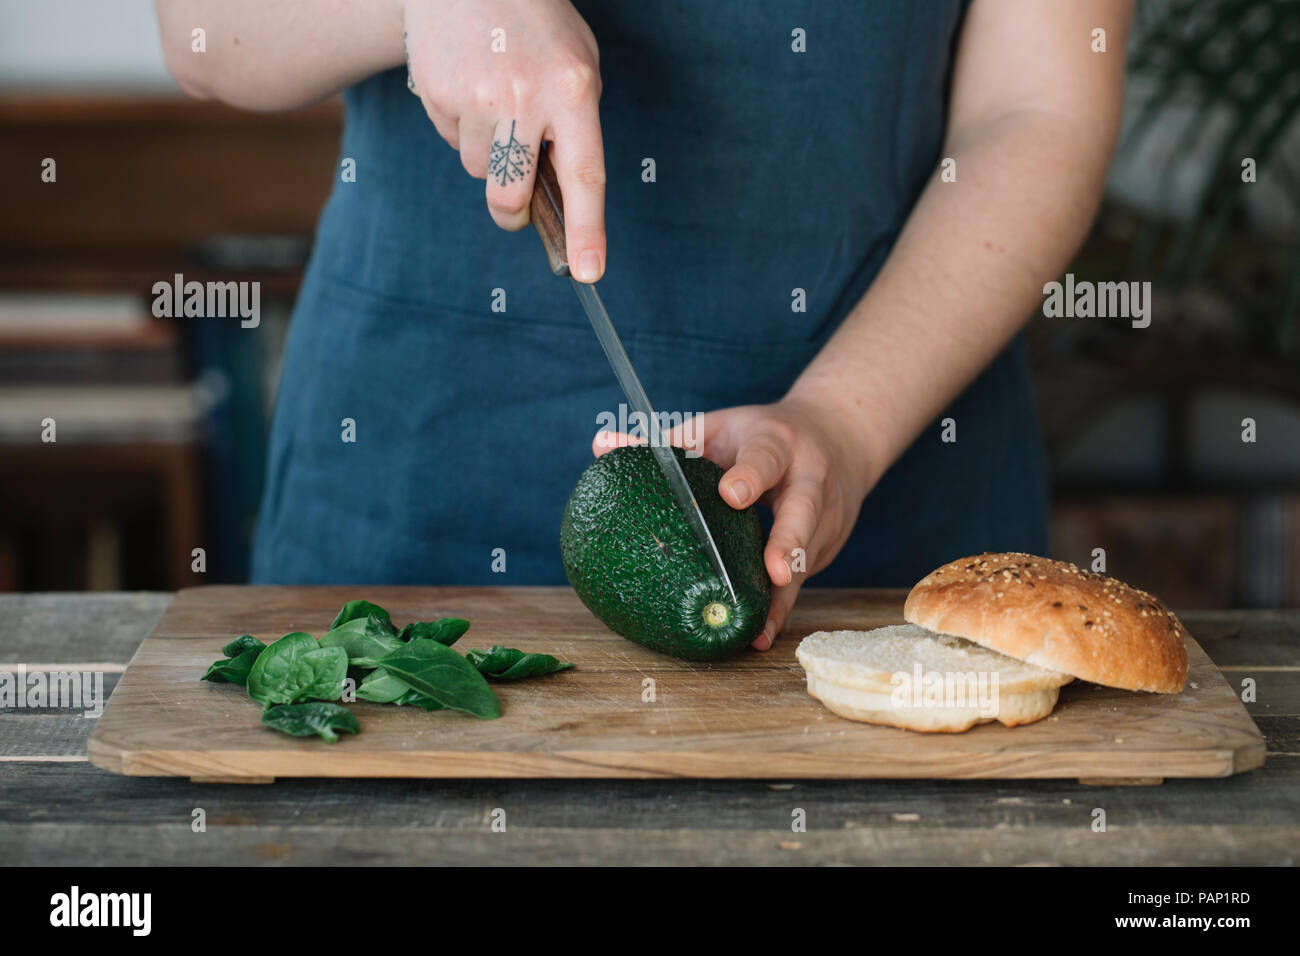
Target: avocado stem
pixel 716 614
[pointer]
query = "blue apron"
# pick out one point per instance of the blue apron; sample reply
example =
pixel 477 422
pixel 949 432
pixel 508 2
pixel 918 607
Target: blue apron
pixel 775 170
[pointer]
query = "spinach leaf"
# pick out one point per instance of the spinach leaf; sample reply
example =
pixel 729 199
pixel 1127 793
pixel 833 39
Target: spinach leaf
pixel 439 672
pixel 508 663
pixel 303 720
pixel 381 687
pixel 329 667
pixel 445 630
pixel 423 701
pixel 241 645
pixel 363 609
pixel 232 670
pixel 363 638
pixel 296 667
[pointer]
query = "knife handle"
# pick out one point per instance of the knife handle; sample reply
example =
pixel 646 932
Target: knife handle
pixel 547 212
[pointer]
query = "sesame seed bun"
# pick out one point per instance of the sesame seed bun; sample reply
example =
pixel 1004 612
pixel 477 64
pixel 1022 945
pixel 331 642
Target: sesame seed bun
pixel 1055 616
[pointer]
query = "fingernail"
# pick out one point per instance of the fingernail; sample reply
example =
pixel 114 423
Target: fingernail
pixel 769 633
pixel 588 267
pixel 740 489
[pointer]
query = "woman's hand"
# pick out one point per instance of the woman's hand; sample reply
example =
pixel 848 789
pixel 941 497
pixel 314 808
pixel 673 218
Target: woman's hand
pixel 800 460
pixel 497 77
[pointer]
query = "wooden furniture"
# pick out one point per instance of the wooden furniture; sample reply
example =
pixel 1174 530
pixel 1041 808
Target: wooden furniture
pixel 142 183
pixel 748 717
pixel 144 188
pixel 58 809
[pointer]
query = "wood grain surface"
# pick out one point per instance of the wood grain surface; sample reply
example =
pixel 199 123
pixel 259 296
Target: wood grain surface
pixel 749 717
pixel 58 809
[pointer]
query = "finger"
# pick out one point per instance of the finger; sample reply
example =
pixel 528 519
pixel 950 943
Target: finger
pixel 796 514
pixel 474 136
pixel 716 435
pixel 703 435
pixel 510 164
pixel 448 127
pixel 606 441
pixel 777 615
pixel 579 158
pixel 760 463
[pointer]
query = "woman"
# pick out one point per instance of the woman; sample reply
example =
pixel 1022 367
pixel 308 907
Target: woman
pixel 826 225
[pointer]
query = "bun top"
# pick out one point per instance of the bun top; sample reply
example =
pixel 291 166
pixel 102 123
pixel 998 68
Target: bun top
pixel 1055 616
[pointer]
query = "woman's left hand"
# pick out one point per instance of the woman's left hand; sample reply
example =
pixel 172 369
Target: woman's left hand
pixel 797 459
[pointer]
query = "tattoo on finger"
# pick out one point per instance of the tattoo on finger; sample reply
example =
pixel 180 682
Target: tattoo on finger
pixel 509 161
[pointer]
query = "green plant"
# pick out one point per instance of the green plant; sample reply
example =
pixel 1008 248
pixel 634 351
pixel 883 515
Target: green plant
pixel 363 640
pixel 303 720
pixel 293 677
pixel 438 672
pixel 296 668
pixel 241 645
pixel 1219 75
pixel 508 663
pixel 355 610
pixel 241 654
pixel 445 630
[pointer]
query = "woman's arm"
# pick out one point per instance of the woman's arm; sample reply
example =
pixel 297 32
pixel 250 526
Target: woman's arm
pixel 278 54
pixel 484 99
pixel 1032 125
pixel 1033 119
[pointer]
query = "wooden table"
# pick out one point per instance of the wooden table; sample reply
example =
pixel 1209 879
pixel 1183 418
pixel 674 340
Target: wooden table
pixel 57 809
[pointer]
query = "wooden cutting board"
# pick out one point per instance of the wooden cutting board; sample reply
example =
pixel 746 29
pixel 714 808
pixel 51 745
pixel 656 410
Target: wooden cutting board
pixel 625 711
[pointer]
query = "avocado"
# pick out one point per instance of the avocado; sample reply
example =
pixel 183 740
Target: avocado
pixel 631 557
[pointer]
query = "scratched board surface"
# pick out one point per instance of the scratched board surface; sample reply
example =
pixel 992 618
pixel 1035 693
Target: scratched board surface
pixel 625 711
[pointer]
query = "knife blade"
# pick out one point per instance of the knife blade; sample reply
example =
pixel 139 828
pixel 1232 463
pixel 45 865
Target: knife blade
pixel 547 211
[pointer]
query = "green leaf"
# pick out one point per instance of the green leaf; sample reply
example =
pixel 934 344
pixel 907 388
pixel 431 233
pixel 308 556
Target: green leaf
pixel 295 668
pixel 363 609
pixel 242 645
pixel 415 698
pixel 381 687
pixel 363 638
pixel 330 668
pixel 439 672
pixel 509 663
pixel 445 630
pixel 232 670
pixel 303 720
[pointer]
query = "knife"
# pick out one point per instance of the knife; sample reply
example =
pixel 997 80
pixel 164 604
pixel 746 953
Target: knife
pixel 547 211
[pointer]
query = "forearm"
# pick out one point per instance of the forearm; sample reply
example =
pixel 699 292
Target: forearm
pixel 278 54
pixel 965 274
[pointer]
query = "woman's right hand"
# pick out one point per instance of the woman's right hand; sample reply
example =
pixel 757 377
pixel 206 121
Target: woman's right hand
pixel 497 77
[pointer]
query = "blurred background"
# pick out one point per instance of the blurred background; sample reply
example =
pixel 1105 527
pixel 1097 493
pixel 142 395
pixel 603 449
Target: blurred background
pixel 161 423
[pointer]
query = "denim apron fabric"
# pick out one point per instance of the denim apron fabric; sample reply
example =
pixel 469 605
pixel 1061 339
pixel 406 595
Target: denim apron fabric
pixel 775 170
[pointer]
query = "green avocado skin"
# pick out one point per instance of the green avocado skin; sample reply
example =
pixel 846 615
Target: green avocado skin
pixel 632 560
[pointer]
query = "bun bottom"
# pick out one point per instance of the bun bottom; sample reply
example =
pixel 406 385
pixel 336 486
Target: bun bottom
pixel 875 707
